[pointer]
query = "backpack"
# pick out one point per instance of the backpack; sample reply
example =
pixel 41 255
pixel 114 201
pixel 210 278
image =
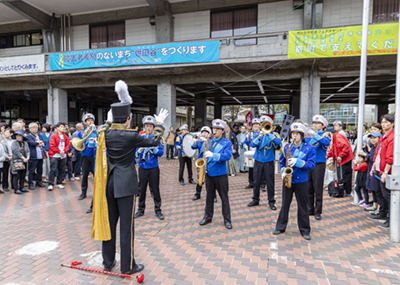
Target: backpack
pixel 336 187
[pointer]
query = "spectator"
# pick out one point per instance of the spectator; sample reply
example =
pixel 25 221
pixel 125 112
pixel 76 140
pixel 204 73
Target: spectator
pixel 170 140
pixel 370 184
pixel 338 125
pixel 7 144
pixel 58 147
pixel 3 127
pixel 193 129
pixel 240 138
pixel 46 134
pixel 236 129
pixel 361 166
pixel 232 163
pixel 16 127
pixel 36 143
pixel 69 161
pixel 77 155
pixel 22 122
pixel 20 158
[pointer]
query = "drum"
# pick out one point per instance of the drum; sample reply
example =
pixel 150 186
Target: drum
pixel 187 142
pixel 248 158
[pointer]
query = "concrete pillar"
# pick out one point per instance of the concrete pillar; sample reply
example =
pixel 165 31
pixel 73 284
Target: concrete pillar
pixel 166 99
pixel 382 109
pixel 307 111
pixel 295 106
pixel 307 15
pixel 99 117
pixel 165 28
pixel 217 111
pixel 59 105
pixel 200 111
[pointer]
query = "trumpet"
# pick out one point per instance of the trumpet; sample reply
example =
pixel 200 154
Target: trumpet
pixel 79 144
pixel 266 127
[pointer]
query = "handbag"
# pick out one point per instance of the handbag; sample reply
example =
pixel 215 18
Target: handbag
pixel 44 155
pixel 18 164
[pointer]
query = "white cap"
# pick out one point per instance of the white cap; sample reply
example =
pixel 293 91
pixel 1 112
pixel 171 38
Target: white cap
pixel 255 121
pixel 88 116
pixel 184 127
pixel 149 120
pixel 320 119
pixel 220 124
pixel 298 127
pixel 265 118
pixel 205 128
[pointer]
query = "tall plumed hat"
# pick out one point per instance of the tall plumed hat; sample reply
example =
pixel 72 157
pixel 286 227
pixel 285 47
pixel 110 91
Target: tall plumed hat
pixel 121 110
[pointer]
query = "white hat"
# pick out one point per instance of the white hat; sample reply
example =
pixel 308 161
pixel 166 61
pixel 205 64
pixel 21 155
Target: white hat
pixel 149 120
pixel 266 118
pixel 88 116
pixel 205 128
pixel 298 127
pixel 320 119
pixel 184 127
pixel 219 124
pixel 256 121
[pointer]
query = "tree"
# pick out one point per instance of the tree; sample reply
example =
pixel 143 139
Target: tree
pixel 189 112
pixel 231 112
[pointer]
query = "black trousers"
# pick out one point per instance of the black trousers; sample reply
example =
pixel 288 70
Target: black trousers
pixel 152 178
pixel 87 166
pixel 198 190
pixel 19 179
pixel 6 171
pixel 35 165
pixel 69 166
pixel 383 196
pixel 260 171
pixel 78 162
pixel 303 220
pixel 170 151
pixel 251 176
pixel 56 164
pixel 182 162
pixel 221 184
pixel 347 175
pixel 123 209
pixel 316 188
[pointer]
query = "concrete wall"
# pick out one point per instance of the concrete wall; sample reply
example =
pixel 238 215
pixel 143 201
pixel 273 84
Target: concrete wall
pixel 139 31
pixel 80 37
pixel 342 12
pixel 269 11
pixel 192 26
pixel 21 51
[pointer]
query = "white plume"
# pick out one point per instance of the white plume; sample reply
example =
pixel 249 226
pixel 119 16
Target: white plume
pixel 122 90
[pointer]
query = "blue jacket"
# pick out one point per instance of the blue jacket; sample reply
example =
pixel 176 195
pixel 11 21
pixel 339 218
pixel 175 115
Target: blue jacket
pixel 178 143
pixel 200 146
pixel 90 144
pixel 306 157
pixel 265 147
pixel 370 184
pixel 320 142
pixel 33 144
pixel 249 138
pixel 222 152
pixel 46 139
pixel 151 155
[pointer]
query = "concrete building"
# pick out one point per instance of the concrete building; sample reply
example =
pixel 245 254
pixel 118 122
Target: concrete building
pixel 37 38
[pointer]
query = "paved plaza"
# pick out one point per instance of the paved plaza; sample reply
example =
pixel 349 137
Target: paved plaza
pixel 41 229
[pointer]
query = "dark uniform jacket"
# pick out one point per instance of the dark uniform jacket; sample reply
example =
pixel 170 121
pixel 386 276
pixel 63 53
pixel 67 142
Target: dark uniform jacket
pixel 121 145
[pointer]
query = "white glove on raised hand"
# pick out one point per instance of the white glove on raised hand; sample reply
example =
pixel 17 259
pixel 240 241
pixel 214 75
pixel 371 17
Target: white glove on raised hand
pixel 208 154
pixel 140 150
pixel 292 161
pixel 161 116
pixel 109 116
pixel 283 175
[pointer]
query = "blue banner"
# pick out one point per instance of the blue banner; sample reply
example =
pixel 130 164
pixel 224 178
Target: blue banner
pixel 187 52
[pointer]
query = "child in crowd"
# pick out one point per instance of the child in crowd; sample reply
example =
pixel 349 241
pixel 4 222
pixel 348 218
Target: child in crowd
pixel 370 184
pixel 361 166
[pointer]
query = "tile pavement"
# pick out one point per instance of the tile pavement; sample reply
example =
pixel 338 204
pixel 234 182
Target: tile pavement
pixel 345 246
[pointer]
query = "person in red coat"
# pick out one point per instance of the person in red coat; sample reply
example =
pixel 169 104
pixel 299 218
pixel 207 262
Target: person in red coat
pixel 343 154
pixel 382 166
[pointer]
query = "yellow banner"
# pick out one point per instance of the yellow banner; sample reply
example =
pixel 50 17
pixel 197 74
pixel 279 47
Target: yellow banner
pixel 344 41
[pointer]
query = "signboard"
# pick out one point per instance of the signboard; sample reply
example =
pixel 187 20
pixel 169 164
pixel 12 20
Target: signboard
pixel 344 41
pixel 187 52
pixel 287 122
pixel 21 64
pixel 248 118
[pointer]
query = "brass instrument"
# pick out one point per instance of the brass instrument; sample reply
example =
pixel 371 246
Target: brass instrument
pixel 79 144
pixel 143 159
pixel 266 127
pixel 288 170
pixel 202 164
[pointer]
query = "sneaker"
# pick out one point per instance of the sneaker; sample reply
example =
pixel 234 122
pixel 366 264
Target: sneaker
pixel 361 202
pixel 364 205
pixel 77 178
pixel 370 209
pixel 375 213
pixel 63 182
pixel 72 179
pixel 50 188
pixel 385 225
pixel 60 186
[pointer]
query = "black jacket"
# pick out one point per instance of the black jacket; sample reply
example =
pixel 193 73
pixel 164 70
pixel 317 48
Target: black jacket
pixel 234 141
pixel 121 145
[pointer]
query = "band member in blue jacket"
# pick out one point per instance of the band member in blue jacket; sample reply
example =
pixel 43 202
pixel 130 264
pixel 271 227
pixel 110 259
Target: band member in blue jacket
pixel 320 141
pixel 264 157
pixel 199 144
pixel 302 160
pixel 183 159
pixel 149 172
pixel 219 153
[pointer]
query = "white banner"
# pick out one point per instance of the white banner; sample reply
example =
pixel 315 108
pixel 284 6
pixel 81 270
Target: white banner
pixel 22 64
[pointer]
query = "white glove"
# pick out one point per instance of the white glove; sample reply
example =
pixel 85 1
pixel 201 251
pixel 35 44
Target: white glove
pixel 292 161
pixel 208 154
pixel 311 133
pixel 140 150
pixel 161 116
pixel 283 175
pixel 261 135
pixel 109 116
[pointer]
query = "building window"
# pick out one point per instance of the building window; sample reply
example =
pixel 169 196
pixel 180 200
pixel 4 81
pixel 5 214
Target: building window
pixel 21 40
pixel 112 35
pixel 386 11
pixel 236 22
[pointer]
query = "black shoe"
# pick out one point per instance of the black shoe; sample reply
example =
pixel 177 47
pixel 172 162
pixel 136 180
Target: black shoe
pixel 1 192
pixel 385 225
pixel 82 196
pixel 31 187
pixel 306 237
pixel 137 268
pixel 138 214
pixel 167 158
pixel 89 211
pixel 272 206
pixel 215 200
pixel 252 204
pixel 17 192
pixel 24 190
pixel 249 186
pixel 205 221
pixel 109 268
pixel 182 183
pixel 196 197
pixel 40 184
pixel 263 189
pixel 228 225
pixel 192 182
pixel 6 190
pixel 318 217
pixel 277 232
pixel 376 217
pixel 160 216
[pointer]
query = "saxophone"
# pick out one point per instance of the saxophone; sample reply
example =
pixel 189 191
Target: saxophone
pixel 202 164
pixel 288 170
